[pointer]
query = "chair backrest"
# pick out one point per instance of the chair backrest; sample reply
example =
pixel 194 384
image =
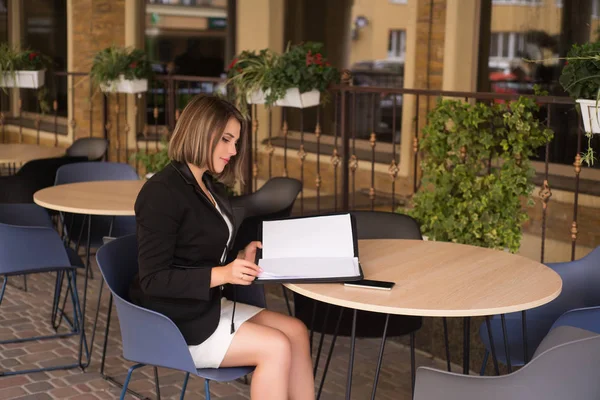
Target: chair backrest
pixel 385 225
pixel 23 226
pixel 92 148
pixel 148 337
pixel 555 374
pixel 580 280
pixel 95 171
pixel 34 175
pixel 274 199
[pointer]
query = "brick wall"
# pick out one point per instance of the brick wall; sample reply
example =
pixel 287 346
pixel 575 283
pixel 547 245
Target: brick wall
pixel 96 24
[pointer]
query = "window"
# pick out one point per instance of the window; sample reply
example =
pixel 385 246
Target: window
pixel 397 44
pixel 44 28
pixel 595 8
pixel 506 46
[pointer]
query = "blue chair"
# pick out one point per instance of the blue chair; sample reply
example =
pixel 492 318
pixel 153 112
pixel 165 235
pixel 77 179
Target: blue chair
pixel 19 230
pixel 101 226
pixel 150 338
pixel 580 289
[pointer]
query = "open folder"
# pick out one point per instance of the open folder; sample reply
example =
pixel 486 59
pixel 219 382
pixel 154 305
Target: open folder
pixel 310 249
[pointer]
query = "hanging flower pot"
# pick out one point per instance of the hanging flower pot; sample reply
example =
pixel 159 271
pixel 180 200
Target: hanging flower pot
pixel 23 79
pixel 123 85
pixel 292 98
pixel 590 112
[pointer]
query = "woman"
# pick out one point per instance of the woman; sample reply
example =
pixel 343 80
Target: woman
pixel 185 230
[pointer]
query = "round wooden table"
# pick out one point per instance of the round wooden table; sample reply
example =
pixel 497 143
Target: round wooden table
pixel 439 279
pixel 20 153
pixel 104 198
pixel 108 198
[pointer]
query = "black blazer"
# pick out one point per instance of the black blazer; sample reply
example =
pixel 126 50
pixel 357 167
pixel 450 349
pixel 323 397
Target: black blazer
pixel 181 237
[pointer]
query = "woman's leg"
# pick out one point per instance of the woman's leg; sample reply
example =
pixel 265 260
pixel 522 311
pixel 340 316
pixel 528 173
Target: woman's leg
pixel 270 351
pixel 302 383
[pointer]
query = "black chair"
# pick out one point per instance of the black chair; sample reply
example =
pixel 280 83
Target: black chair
pixel 274 200
pixel 92 148
pixel 315 314
pixel 33 176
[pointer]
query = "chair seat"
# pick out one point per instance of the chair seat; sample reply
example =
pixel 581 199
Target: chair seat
pixel 224 374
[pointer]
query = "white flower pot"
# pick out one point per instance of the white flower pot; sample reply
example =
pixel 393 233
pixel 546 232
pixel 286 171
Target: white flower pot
pixel 590 112
pixel 123 85
pixel 23 79
pixel 292 98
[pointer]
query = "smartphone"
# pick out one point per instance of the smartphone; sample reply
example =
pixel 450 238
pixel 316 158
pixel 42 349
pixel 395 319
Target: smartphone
pixel 371 284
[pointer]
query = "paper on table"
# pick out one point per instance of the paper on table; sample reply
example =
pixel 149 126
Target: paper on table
pixel 315 237
pixel 323 267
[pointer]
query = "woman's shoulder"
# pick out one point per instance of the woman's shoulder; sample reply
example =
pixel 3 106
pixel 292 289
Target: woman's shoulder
pixel 160 189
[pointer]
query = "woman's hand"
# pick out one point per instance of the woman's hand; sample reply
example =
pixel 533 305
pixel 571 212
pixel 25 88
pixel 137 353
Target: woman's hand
pixel 237 272
pixel 249 253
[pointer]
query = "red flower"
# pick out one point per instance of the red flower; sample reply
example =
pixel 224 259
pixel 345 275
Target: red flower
pixel 133 65
pixel 327 64
pixel 318 59
pixel 309 58
pixel 33 56
pixel 233 62
pixel 566 63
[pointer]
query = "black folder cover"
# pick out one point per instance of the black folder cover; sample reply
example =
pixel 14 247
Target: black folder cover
pixel 316 280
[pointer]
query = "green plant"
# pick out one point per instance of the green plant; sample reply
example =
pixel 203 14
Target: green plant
pixel 246 74
pixel 580 78
pixel 462 199
pixel 112 62
pixel 302 66
pixel 154 161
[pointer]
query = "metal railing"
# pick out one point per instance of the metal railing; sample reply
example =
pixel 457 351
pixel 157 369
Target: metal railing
pixel 347 154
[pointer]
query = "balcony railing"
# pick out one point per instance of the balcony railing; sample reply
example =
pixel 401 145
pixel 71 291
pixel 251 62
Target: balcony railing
pixel 351 153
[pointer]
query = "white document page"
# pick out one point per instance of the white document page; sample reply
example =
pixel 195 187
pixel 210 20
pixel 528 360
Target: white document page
pixel 314 247
pixel 327 236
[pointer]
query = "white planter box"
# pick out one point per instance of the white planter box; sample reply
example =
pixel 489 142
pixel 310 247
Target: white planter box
pixel 123 85
pixel 292 98
pixel 590 112
pixel 23 79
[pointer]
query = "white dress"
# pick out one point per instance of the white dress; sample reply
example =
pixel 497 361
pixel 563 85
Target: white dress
pixel 210 353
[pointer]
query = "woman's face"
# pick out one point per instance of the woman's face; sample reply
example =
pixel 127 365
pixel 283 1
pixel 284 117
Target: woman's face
pixel 226 146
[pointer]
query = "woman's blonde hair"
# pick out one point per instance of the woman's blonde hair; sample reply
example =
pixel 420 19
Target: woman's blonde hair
pixel 198 131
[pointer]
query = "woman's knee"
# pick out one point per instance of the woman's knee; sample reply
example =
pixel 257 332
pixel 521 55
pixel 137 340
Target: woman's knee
pixel 278 346
pixel 296 331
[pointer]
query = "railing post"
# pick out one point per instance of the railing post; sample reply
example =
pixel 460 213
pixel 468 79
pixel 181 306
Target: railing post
pixel 249 162
pixel 346 78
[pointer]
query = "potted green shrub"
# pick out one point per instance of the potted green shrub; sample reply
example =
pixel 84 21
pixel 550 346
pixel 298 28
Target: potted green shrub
pixel 22 68
pixel 462 198
pixel 297 78
pixel 121 70
pixel 154 161
pixel 580 77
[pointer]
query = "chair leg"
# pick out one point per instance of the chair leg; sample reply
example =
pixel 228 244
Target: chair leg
pixel 126 383
pixel 207 389
pixel 287 300
pixel 3 288
pixel 447 344
pixel 484 363
pixel 413 363
pixel 185 382
pixel 156 383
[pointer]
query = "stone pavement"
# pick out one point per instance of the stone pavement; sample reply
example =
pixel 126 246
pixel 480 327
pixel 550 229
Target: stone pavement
pixel 25 314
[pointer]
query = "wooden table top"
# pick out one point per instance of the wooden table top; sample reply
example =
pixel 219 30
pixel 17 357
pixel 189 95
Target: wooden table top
pixel 439 279
pixel 22 153
pixel 111 198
